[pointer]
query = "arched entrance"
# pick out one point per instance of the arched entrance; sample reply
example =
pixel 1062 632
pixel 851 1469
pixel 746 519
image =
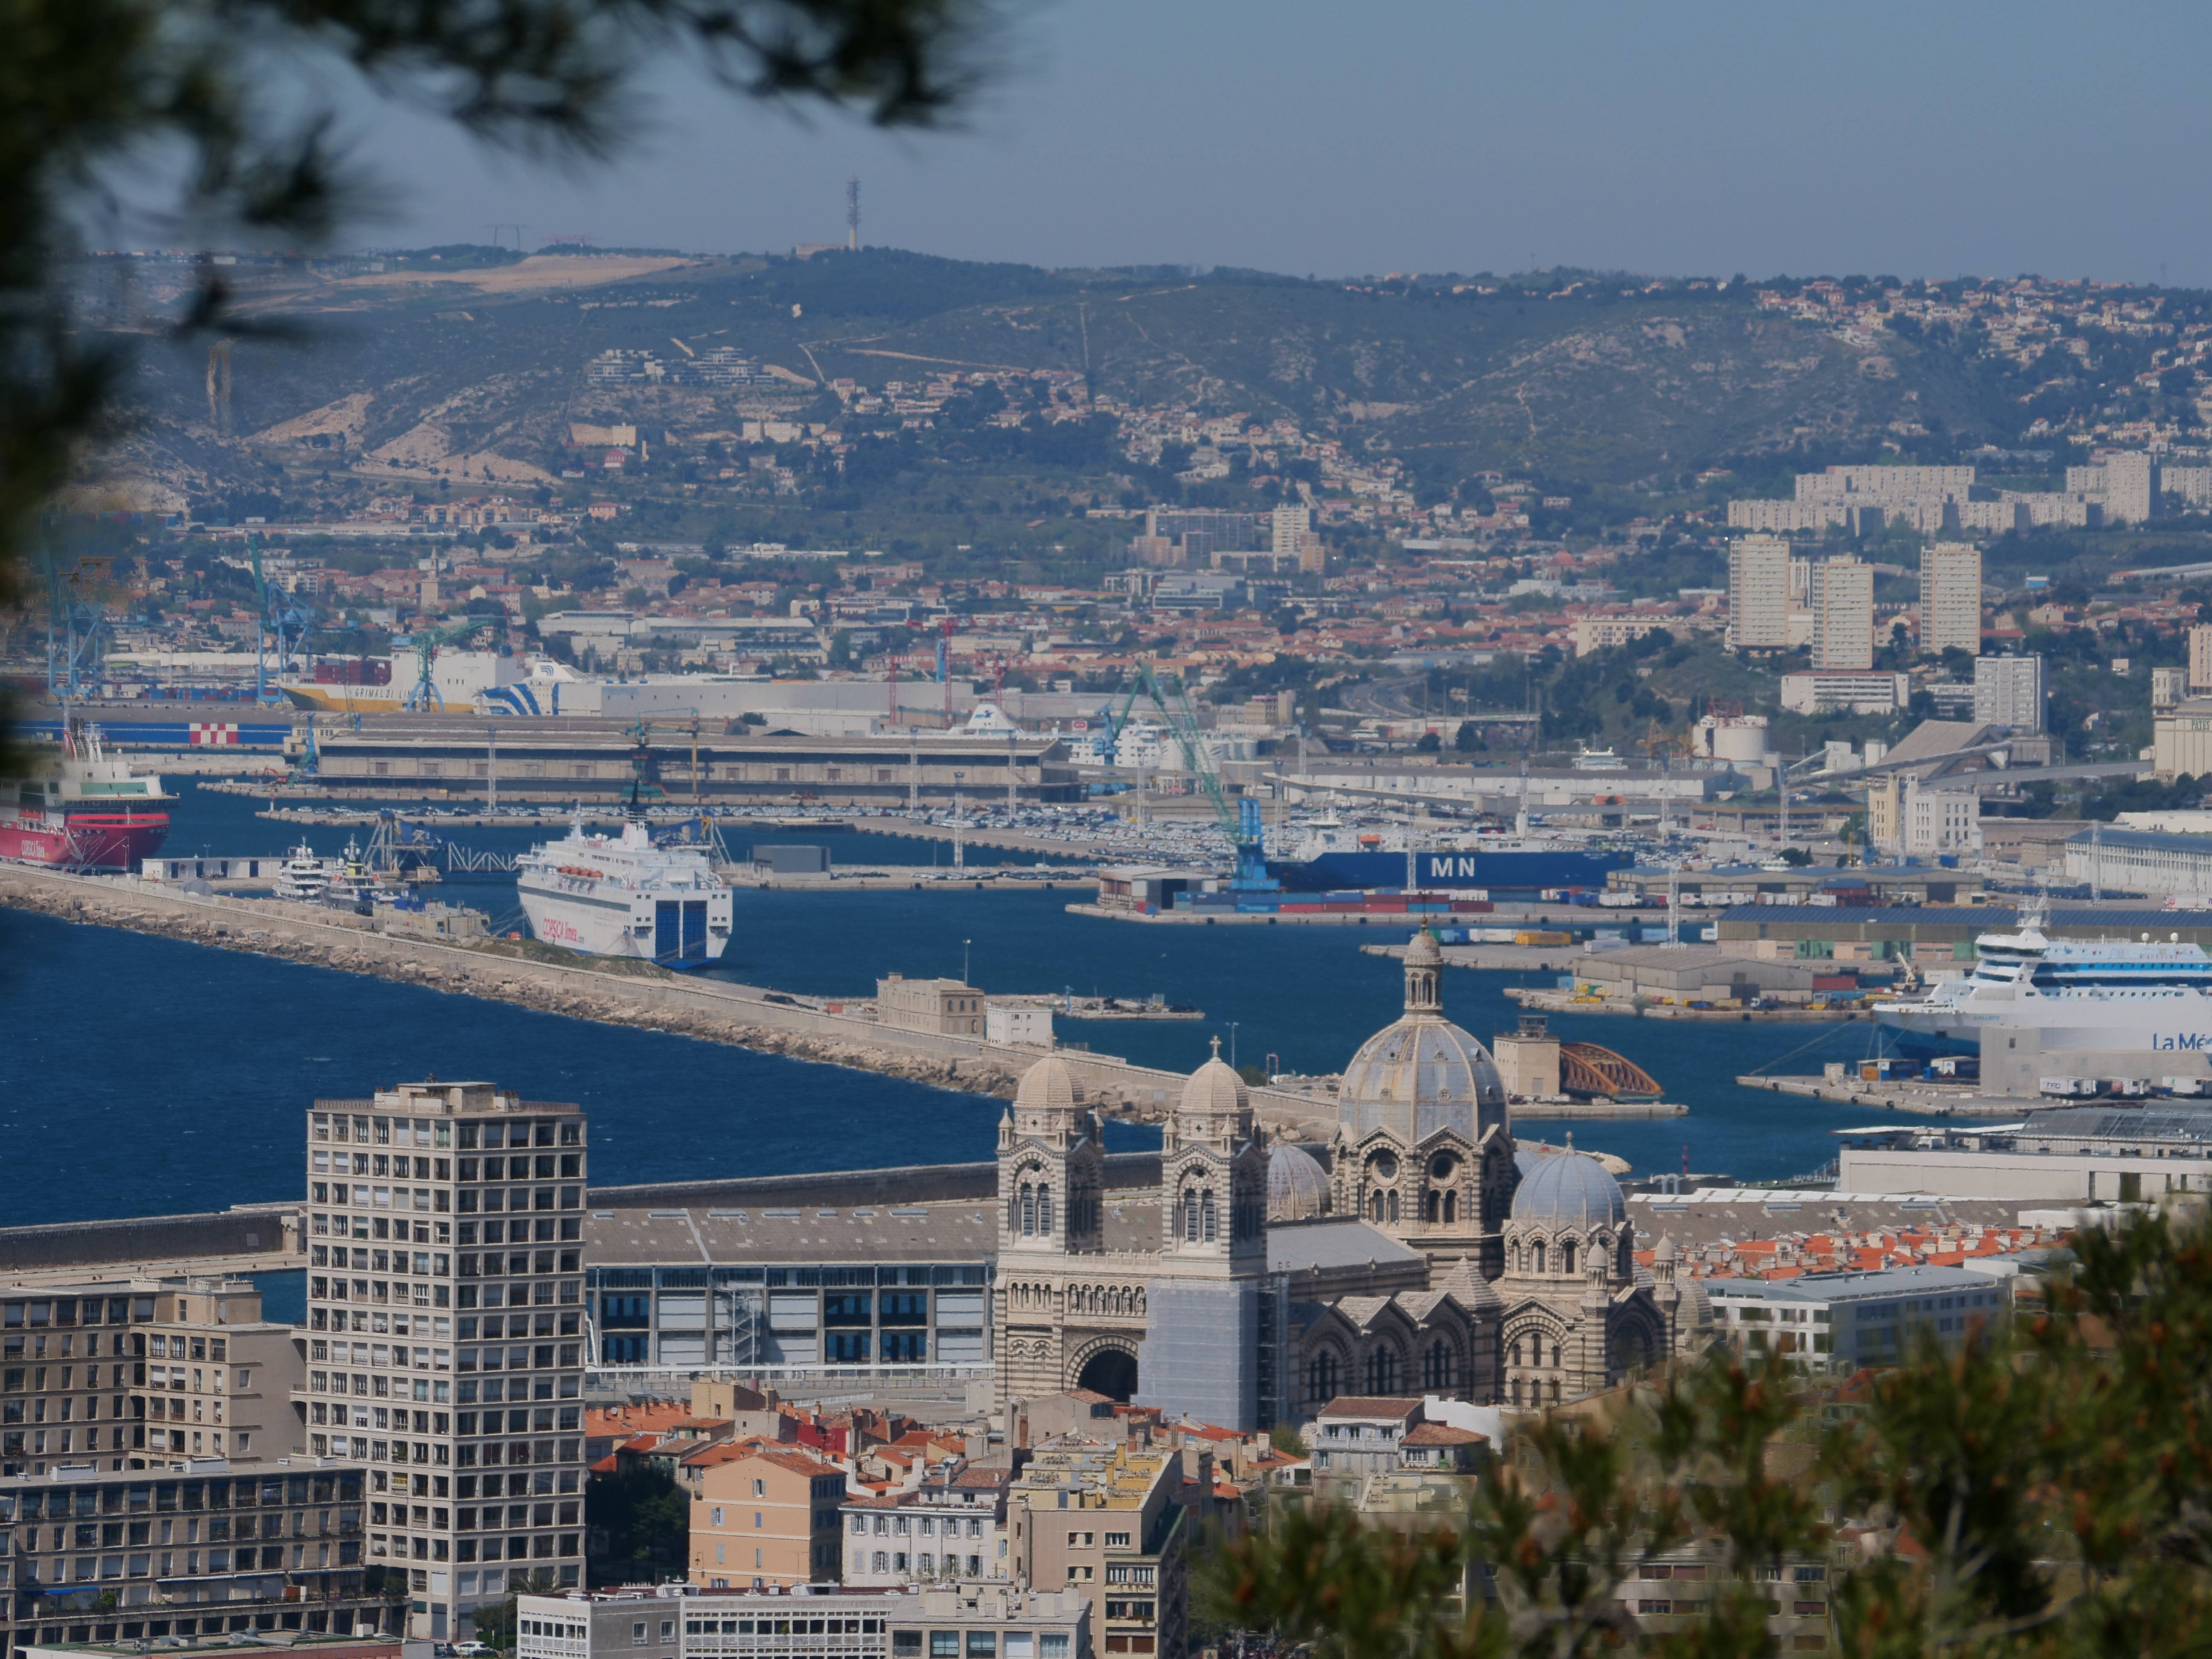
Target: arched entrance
pixel 1111 1372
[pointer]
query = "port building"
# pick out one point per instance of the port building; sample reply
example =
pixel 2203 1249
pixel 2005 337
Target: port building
pixel 601 759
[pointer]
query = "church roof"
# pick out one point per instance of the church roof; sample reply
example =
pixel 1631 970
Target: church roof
pixel 1339 1241
pixel 1569 1190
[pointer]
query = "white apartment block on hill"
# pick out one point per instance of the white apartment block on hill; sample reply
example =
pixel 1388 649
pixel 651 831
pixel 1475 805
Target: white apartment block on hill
pixel 1951 597
pixel 1758 595
pixel 1843 614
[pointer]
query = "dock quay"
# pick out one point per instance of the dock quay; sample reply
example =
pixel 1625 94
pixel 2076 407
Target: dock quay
pixel 1922 1099
pixel 619 993
pixel 1568 1002
pixel 914 878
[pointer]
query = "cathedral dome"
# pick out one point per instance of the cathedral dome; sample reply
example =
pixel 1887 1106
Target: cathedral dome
pixel 1568 1191
pixel 1048 1086
pixel 1297 1189
pixel 1215 1091
pixel 1422 1073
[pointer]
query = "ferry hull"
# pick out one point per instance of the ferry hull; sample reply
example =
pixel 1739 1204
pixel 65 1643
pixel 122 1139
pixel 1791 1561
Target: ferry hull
pixel 1497 872
pixel 88 840
pixel 679 932
pixel 2125 1025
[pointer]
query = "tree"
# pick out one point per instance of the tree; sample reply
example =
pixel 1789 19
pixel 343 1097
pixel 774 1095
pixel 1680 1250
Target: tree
pixel 106 100
pixel 2038 1489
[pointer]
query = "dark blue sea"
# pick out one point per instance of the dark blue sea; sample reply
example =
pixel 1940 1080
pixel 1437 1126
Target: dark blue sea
pixel 140 1075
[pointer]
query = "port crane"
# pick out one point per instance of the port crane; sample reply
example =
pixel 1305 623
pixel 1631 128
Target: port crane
pixel 77 629
pixel 1241 825
pixel 426 642
pixel 283 623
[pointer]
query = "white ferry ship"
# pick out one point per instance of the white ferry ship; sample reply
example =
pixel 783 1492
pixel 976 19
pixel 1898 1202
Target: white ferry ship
pixel 2110 994
pixel 620 896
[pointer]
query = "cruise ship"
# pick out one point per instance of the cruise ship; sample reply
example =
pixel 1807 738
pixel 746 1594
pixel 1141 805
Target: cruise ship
pixel 620 896
pixel 2104 994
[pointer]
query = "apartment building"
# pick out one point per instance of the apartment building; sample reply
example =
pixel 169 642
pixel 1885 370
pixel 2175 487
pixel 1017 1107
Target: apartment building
pixel 444 1340
pixel 953 1525
pixel 128 1374
pixel 1593 633
pixel 2009 692
pixel 1843 614
pixel 1356 1435
pixel 767 1518
pixel 1950 597
pixel 1758 593
pixel 2200 658
pixel 159 1556
pixel 1113 1521
pixel 817 1621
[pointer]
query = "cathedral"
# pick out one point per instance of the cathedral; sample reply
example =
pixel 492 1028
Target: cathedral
pixel 1254 1282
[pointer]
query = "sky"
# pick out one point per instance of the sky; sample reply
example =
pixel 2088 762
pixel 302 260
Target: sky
pixel 1697 137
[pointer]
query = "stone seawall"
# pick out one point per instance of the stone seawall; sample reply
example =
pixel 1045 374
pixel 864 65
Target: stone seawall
pixel 626 993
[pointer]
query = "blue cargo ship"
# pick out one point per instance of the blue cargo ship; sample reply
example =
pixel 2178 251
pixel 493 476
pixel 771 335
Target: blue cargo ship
pixel 1501 871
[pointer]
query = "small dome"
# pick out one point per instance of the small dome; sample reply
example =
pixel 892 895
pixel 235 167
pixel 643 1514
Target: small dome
pixel 1048 1086
pixel 1569 1190
pixel 1215 1091
pixel 1424 952
pixel 1297 1189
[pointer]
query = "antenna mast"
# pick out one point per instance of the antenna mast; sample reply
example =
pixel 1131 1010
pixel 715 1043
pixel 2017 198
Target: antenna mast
pixel 852 214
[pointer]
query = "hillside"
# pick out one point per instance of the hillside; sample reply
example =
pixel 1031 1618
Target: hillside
pixel 478 370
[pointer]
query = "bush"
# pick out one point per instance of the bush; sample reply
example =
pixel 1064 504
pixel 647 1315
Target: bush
pixel 2038 1490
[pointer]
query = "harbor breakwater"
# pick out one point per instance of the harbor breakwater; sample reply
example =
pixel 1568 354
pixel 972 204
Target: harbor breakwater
pixel 613 992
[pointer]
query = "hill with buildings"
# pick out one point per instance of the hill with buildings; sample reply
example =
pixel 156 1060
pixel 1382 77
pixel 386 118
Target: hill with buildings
pixel 453 368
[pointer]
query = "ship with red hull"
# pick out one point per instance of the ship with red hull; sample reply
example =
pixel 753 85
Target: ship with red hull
pixel 82 809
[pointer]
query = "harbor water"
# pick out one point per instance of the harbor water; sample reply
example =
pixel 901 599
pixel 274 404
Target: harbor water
pixel 142 1075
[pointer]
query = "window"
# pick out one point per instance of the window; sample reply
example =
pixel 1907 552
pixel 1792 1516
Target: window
pixel 717 1514
pixel 945 1645
pixel 982 1644
pixel 760 1488
pixel 637 1634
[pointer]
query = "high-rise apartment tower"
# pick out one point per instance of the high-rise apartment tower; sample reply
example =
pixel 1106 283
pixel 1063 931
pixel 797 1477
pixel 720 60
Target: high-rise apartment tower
pixel 444 1334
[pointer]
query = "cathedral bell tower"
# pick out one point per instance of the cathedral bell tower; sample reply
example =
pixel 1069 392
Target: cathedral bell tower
pixel 1213 1176
pixel 1052 1169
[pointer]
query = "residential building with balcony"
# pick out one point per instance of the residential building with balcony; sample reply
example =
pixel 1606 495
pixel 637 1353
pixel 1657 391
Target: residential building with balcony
pixel 1115 1522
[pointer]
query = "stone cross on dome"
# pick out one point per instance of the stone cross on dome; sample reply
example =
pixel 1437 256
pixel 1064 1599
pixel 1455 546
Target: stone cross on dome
pixel 1216 1048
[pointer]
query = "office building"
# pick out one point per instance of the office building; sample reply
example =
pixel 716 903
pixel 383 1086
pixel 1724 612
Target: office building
pixel 1758 593
pixel 1835 1323
pixel 1951 597
pixel 1843 614
pixel 819 1622
pixel 445 1339
pixel 1846 692
pixel 2009 692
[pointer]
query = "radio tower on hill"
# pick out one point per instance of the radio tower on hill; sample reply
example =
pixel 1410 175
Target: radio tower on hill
pixel 853 213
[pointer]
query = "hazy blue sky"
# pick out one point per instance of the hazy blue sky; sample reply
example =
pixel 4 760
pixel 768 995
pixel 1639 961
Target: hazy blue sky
pixel 1699 137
